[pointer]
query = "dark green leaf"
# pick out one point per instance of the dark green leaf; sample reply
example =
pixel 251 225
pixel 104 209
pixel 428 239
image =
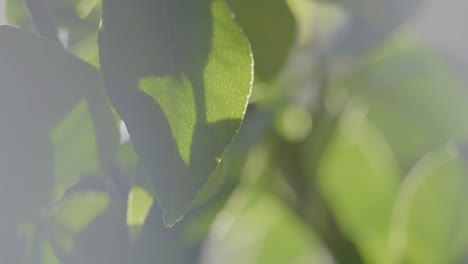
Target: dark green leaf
pixel 271 29
pixel 179 74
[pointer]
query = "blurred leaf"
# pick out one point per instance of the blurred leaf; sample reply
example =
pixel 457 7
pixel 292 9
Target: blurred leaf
pixel 382 12
pixel 181 90
pixel 142 191
pixel 105 240
pixel 132 166
pixel 366 24
pixel 415 98
pixel 72 138
pixel 293 122
pixel 303 11
pixel 79 210
pixel 16 13
pixel 87 50
pixel 85 7
pixel 369 23
pixel 48 254
pixel 256 228
pixel 358 177
pixel 139 205
pixel 56 237
pixel 52 104
pixel 271 30
pixel 72 219
pixel 431 214
pixel 82 30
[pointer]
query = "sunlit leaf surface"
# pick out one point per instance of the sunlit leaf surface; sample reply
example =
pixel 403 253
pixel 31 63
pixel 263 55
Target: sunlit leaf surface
pixel 179 74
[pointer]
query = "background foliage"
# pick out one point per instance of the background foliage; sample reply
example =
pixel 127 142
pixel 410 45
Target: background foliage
pixel 213 131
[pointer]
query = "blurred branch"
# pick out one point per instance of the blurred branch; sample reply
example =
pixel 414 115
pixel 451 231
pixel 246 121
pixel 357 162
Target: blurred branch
pixel 315 213
pixel 309 204
pixel 42 19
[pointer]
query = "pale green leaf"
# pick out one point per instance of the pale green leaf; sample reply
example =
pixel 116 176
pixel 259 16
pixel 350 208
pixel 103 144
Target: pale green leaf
pixel 431 214
pixel 358 177
pixel 138 206
pixel 16 13
pixel 85 7
pixel 48 254
pixel 414 96
pixel 255 227
pixel 80 209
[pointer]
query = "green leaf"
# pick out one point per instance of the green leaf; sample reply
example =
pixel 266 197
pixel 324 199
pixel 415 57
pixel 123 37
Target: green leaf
pixel 48 255
pixel 305 12
pixel 431 213
pixel 142 192
pixel 105 236
pixel 138 207
pixel 179 74
pixel 358 177
pixel 293 122
pixel 86 49
pixel 79 209
pixel 255 227
pixel 132 166
pixel 16 13
pixel 271 29
pixel 414 96
pixel 85 7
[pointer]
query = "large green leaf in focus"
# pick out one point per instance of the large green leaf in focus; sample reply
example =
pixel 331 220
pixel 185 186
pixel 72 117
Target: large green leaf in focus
pixel 431 213
pixel 358 177
pixel 271 29
pixel 179 74
pixel 56 125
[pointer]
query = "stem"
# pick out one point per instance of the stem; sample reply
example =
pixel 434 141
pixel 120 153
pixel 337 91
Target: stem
pixel 42 20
